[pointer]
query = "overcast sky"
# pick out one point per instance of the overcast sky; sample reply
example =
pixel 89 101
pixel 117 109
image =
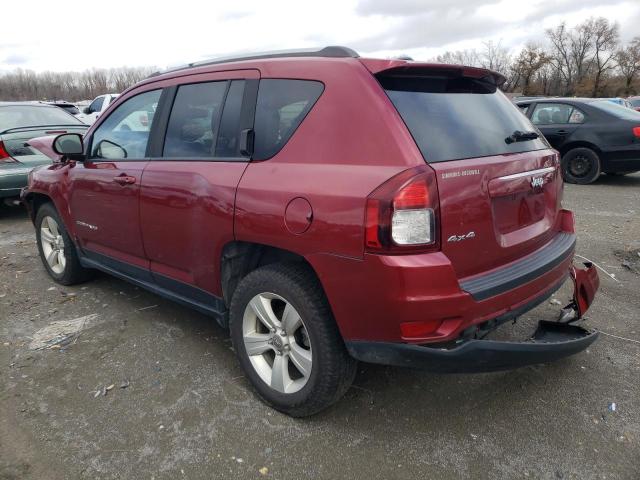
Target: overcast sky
pixel 76 35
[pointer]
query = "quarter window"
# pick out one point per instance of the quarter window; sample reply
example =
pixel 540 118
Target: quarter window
pixel 194 116
pixel 125 132
pixel 281 107
pixel 556 113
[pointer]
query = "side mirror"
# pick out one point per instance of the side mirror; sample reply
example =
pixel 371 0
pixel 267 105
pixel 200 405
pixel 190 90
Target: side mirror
pixel 86 110
pixel 68 145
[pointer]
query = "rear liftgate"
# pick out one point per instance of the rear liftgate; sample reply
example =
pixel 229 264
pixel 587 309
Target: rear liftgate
pixel 551 341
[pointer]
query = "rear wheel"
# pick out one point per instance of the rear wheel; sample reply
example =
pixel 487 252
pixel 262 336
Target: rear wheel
pixel 57 250
pixel 287 341
pixel 581 166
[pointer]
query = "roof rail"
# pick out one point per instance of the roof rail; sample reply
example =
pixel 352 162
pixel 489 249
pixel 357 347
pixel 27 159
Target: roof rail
pixel 331 51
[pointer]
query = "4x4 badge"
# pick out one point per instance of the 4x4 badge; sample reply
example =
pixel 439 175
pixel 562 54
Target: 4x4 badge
pixel 459 238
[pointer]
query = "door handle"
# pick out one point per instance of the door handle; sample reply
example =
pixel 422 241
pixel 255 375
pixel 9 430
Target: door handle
pixel 562 132
pixel 124 179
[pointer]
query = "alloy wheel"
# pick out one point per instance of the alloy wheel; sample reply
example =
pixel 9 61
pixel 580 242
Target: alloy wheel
pixel 277 342
pixel 52 244
pixel 580 166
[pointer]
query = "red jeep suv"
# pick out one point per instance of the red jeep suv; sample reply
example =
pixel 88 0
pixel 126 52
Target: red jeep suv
pixel 326 208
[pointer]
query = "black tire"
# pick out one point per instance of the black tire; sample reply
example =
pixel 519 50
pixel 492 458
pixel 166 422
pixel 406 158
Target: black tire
pixel 581 166
pixel 73 272
pixel 332 369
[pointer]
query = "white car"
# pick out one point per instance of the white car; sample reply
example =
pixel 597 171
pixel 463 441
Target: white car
pixel 99 104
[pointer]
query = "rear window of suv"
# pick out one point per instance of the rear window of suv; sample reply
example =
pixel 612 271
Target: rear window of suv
pixel 458 117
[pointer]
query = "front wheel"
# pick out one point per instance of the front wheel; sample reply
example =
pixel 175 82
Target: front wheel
pixel 581 166
pixel 57 250
pixel 287 341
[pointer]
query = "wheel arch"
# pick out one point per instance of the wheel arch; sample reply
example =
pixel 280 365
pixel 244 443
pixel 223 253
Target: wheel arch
pixel 35 200
pixel 239 258
pixel 579 144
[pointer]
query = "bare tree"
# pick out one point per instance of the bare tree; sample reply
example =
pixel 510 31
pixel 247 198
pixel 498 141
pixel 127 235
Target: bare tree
pixel 460 57
pixel 581 39
pixel 494 57
pixel 628 59
pixel 561 53
pixel 526 65
pixel 605 42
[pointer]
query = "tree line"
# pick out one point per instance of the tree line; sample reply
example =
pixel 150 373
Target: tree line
pixel 71 86
pixel 587 60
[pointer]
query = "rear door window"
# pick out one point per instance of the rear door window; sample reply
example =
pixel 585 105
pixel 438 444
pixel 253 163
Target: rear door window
pixel 556 113
pixel 228 143
pixel 281 106
pixel 195 114
pixel 452 118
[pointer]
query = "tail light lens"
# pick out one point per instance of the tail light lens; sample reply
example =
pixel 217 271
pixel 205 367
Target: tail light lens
pixel 4 155
pixel 402 214
pixel 636 132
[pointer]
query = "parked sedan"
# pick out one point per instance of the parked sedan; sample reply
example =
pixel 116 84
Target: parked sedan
pixel 592 135
pixel 20 122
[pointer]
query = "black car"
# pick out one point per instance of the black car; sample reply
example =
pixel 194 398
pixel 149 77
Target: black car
pixel 592 135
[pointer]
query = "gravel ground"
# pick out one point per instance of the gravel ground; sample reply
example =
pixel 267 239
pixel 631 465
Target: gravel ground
pixel 181 408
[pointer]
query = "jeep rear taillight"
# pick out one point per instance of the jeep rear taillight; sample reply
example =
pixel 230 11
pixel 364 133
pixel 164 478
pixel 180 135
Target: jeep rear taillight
pixel 4 155
pixel 402 214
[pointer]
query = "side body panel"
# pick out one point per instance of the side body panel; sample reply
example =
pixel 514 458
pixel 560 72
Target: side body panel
pixel 349 143
pixel 186 211
pixel 105 213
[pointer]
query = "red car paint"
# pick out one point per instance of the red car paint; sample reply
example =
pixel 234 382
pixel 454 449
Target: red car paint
pixel 177 216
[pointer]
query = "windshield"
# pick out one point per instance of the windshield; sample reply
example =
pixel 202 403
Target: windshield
pixel 616 110
pixel 635 102
pixel 16 116
pixel 457 118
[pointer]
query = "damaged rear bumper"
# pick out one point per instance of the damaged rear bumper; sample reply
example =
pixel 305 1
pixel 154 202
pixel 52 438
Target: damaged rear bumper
pixel 551 341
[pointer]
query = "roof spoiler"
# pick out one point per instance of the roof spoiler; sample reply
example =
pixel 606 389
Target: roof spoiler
pixel 413 69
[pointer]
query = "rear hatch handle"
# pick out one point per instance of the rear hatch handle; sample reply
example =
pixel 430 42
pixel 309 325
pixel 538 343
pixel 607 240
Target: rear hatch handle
pixel 518 182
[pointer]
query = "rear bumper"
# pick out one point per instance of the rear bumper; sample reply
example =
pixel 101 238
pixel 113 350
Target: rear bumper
pixel 551 341
pixel 621 159
pixel 504 279
pixel 13 179
pixel 420 299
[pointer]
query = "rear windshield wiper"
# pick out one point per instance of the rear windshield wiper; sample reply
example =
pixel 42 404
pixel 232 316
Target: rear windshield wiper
pixel 519 136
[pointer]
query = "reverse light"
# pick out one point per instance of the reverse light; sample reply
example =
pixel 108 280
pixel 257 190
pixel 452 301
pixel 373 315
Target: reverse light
pixel 4 155
pixel 636 132
pixel 401 214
